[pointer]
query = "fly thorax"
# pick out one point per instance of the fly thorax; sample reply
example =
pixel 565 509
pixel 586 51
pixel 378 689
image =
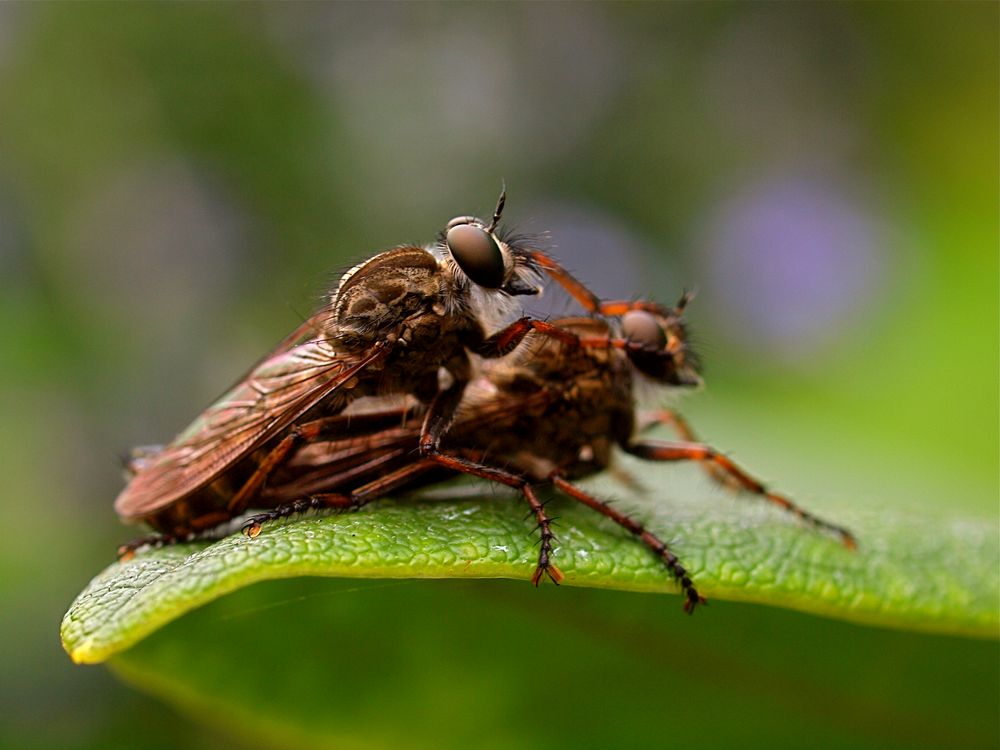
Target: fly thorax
pixel 374 298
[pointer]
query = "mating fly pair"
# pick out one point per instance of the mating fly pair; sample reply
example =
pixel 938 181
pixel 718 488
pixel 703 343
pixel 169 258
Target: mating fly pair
pixel 397 323
pixel 550 413
pixel 286 438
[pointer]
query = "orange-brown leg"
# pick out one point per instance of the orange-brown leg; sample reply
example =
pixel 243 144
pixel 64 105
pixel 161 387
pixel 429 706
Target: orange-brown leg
pixel 673 420
pixel 238 503
pixel 591 302
pixel 614 308
pixel 405 475
pixel 300 434
pixel 506 340
pixel 657 545
pixel 545 566
pixel 667 450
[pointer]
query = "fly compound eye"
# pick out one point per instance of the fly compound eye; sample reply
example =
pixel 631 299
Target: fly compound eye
pixel 476 253
pixel 641 327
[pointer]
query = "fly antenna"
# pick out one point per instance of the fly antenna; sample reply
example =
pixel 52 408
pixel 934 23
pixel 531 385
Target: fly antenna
pixel 499 209
pixel 686 297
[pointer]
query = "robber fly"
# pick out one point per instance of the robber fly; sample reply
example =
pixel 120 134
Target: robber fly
pixel 393 325
pixel 548 414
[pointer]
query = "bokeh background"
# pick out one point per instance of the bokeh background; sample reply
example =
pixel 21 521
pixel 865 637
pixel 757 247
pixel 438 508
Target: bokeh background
pixel 178 183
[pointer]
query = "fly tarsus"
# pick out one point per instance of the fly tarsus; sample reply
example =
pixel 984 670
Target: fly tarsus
pixel 252 526
pixel 658 546
pixel 545 566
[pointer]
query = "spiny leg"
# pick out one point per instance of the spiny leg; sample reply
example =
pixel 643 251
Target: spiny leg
pixel 252 526
pixel 339 501
pixel 212 526
pixel 545 567
pixel 405 475
pixel 658 546
pixel 667 450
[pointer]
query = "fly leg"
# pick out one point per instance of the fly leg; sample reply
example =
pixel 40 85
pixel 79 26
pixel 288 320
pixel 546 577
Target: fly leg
pixel 207 526
pixel 617 308
pixel 591 302
pixel 406 475
pixel 342 501
pixel 442 409
pixel 323 500
pixel 302 434
pixel 506 340
pixel 545 566
pixel 213 525
pixel 669 450
pixel 670 418
pixel 657 545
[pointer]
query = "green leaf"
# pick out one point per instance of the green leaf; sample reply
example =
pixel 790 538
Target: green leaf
pixel 320 663
pixel 914 573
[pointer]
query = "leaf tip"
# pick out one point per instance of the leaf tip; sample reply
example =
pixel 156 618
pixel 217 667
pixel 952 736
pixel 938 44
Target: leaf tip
pixel 84 653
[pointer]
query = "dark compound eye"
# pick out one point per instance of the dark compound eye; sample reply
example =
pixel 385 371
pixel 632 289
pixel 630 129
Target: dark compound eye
pixel 476 253
pixel 643 328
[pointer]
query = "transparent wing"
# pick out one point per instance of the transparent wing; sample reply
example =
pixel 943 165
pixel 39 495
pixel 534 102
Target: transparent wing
pixel 275 393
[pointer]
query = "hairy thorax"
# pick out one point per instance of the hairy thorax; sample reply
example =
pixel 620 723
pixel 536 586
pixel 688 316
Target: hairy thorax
pixel 404 297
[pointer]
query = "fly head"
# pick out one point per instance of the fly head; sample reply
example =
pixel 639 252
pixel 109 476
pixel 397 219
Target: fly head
pixel 486 259
pixel 661 348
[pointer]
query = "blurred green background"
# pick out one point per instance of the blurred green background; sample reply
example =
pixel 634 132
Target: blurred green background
pixel 178 183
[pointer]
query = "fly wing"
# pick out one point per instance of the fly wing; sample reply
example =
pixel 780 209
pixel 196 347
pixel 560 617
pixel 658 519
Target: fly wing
pixel 275 394
pixel 309 329
pixel 144 455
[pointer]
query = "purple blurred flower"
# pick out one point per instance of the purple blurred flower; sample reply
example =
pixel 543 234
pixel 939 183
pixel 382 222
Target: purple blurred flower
pixel 791 262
